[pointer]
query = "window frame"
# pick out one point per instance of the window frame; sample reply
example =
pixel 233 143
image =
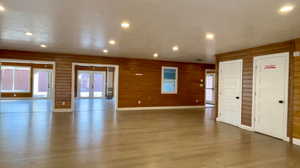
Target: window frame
pixel 14 69
pixel 163 79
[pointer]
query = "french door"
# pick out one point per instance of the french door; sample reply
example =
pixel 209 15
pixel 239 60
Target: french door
pixel 42 83
pixel 91 84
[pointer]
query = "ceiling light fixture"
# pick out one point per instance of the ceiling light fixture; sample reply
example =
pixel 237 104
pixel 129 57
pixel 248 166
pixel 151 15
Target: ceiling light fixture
pixel 112 42
pixel 2 9
pixel 286 9
pixel 210 36
pixel 28 34
pixel 43 46
pixel 155 55
pixel 175 48
pixel 125 25
pixel 105 51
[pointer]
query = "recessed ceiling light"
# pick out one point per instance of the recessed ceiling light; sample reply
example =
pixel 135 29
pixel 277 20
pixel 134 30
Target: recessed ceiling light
pixel 43 46
pixel 105 51
pixel 28 34
pixel 155 55
pixel 125 25
pixel 286 9
pixel 112 42
pixel 210 36
pixel 2 9
pixel 175 48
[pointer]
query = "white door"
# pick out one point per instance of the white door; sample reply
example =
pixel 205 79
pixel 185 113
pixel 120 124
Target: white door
pixel 230 91
pixel 270 94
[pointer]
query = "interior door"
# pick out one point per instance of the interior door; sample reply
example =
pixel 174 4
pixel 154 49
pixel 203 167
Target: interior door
pixel 230 91
pixel 42 83
pixel 271 88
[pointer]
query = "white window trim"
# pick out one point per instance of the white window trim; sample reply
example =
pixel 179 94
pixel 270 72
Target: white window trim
pixel 162 80
pixel 15 68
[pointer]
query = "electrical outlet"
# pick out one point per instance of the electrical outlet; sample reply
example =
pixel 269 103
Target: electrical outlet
pixel 139 102
pixel 197 101
pixel 63 103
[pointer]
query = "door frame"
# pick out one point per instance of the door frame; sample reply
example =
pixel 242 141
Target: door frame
pixel 286 96
pixel 219 89
pixel 51 83
pixel 53 63
pixel 116 82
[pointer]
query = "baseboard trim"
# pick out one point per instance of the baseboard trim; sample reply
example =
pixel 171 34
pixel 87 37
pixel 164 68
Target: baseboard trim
pixel 245 127
pixel 158 108
pixel 296 141
pixel 62 110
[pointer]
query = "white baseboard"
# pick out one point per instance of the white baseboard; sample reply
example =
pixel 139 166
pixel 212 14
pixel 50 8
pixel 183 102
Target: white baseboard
pixel 245 127
pixel 296 141
pixel 158 108
pixel 62 110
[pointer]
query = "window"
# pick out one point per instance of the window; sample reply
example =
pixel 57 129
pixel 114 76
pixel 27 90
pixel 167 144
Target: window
pixel 169 80
pixel 15 79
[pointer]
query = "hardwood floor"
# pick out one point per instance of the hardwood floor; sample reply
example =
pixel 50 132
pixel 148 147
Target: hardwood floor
pixel 96 137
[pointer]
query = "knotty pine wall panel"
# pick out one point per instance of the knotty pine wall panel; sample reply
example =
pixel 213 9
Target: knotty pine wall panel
pixel 132 88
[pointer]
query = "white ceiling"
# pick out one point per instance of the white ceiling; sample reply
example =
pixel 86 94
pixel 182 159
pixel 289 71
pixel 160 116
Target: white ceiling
pixel 85 26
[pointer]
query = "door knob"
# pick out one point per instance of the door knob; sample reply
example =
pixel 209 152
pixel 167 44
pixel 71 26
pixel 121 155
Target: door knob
pixel 281 101
pixel 237 97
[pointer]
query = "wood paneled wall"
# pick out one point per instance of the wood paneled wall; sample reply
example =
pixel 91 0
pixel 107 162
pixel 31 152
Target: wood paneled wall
pixel 296 117
pixel 247 56
pixel 132 88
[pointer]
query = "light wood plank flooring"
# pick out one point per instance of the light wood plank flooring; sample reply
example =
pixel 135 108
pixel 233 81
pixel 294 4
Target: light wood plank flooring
pixel 96 137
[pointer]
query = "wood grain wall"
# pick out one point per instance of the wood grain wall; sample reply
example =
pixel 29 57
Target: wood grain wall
pixel 247 56
pixel 296 117
pixel 132 88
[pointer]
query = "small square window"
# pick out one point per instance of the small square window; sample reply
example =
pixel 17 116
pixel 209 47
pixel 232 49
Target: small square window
pixel 169 80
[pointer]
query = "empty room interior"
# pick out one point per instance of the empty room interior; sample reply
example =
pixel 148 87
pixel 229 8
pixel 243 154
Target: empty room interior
pixel 149 83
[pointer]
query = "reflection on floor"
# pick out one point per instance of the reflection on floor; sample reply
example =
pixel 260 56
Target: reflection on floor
pixel 94 104
pixel 25 106
pixel 100 137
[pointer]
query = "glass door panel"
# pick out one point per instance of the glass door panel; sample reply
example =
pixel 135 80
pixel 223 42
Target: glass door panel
pixel 42 82
pixel 99 84
pixel 84 84
pixel 210 88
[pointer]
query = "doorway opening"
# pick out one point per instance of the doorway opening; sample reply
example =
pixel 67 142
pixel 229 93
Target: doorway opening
pixel 26 86
pixel 210 83
pixel 95 87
